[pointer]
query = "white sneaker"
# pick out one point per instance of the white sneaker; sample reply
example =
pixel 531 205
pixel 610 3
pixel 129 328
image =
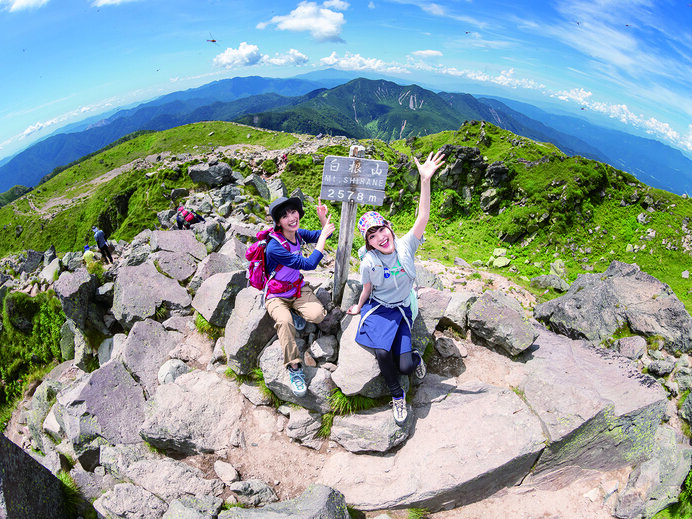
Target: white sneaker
pixel 297 381
pixel 399 409
pixel 421 369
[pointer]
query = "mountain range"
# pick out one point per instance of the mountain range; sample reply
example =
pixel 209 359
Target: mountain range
pixel 359 108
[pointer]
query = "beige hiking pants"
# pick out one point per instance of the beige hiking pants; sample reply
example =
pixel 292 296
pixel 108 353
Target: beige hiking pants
pixel 279 309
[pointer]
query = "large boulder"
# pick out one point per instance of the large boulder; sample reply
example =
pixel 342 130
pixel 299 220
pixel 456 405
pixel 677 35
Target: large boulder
pixel 75 289
pixel 460 452
pixel 500 320
pixel 599 412
pixel 195 414
pixel 248 330
pixel 215 263
pixel 106 406
pixel 146 348
pixel 215 298
pixel 214 175
pixel 596 306
pixel 141 290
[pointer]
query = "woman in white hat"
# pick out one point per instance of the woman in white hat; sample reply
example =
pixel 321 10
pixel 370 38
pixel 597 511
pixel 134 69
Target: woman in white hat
pixel 388 273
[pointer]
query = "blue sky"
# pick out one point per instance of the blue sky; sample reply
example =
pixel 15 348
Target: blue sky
pixel 627 61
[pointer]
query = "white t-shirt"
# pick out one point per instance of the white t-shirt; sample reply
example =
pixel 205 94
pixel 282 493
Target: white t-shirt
pixel 395 286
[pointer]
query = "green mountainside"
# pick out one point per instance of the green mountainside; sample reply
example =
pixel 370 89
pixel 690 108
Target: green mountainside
pixel 363 108
pixel 545 205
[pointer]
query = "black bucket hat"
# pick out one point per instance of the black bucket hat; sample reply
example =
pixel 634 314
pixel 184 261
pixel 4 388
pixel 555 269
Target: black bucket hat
pixel 278 205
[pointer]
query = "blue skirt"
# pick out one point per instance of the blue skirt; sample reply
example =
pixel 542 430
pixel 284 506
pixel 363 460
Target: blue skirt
pixel 385 328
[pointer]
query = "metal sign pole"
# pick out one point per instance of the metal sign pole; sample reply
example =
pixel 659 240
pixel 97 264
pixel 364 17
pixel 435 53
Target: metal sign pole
pixel 343 249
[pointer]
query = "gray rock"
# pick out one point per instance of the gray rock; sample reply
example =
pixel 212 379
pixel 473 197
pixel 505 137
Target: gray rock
pixel 177 265
pixel 216 175
pixel 90 416
pixel 324 349
pixel 631 347
pixel 316 502
pixel 597 305
pixel 215 263
pixel 656 483
pixel 303 426
pixel 215 298
pixel 370 431
pixel 248 330
pixel 171 370
pixel 211 233
pixel 550 281
pixel 174 241
pixel 226 472
pixel 661 368
pixel 75 289
pixel 51 271
pixel 259 184
pixel 500 320
pixel 141 290
pixel 598 410
pixel 456 313
pixel 41 403
pixel 193 415
pixel 126 497
pixel 253 492
pixel 432 305
pixel 27 489
pixel 171 479
pixel 145 350
pixel 189 507
pixel 484 461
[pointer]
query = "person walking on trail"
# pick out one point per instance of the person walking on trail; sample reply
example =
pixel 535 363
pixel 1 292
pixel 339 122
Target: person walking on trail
pixel 388 298
pixel 185 218
pixel 102 244
pixel 289 300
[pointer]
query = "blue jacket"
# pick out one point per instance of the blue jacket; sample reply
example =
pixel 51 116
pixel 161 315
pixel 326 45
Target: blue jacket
pixel 100 238
pixel 277 255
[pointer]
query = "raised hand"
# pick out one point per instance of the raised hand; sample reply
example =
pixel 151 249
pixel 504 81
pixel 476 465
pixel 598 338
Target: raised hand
pixel 428 168
pixel 322 211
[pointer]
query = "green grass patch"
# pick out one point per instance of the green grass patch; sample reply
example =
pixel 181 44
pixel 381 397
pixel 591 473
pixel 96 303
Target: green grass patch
pixel 342 404
pixel 205 327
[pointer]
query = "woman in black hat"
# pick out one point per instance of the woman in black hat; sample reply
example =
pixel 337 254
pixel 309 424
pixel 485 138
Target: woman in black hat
pixel 287 292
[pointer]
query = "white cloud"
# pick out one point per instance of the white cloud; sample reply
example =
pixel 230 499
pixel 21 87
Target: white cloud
pixel 423 54
pixel 293 57
pixel 101 3
pixel 371 5
pixel 358 62
pixel 19 5
pixel 339 5
pixel 244 56
pixel 322 23
pixel 247 55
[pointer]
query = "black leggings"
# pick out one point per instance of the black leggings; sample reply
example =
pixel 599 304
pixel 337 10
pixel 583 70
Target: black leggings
pixel 388 366
pixel 106 254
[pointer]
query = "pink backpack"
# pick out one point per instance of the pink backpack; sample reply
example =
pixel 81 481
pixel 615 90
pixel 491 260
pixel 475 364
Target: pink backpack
pixel 257 269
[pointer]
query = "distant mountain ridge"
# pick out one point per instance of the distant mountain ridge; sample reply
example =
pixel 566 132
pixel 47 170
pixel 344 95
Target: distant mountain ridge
pixel 360 108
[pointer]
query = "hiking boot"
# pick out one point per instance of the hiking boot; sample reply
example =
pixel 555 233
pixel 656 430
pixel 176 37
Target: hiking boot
pixel 421 369
pixel 399 409
pixel 297 381
pixel 298 321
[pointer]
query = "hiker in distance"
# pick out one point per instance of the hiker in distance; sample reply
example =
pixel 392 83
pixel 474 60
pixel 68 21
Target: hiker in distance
pixel 289 300
pixel 388 299
pixel 185 218
pixel 102 244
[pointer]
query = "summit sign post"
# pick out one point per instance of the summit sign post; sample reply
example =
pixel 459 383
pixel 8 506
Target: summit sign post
pixel 351 180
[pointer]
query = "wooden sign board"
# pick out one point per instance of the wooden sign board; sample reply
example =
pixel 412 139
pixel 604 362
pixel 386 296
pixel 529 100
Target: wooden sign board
pixel 347 179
